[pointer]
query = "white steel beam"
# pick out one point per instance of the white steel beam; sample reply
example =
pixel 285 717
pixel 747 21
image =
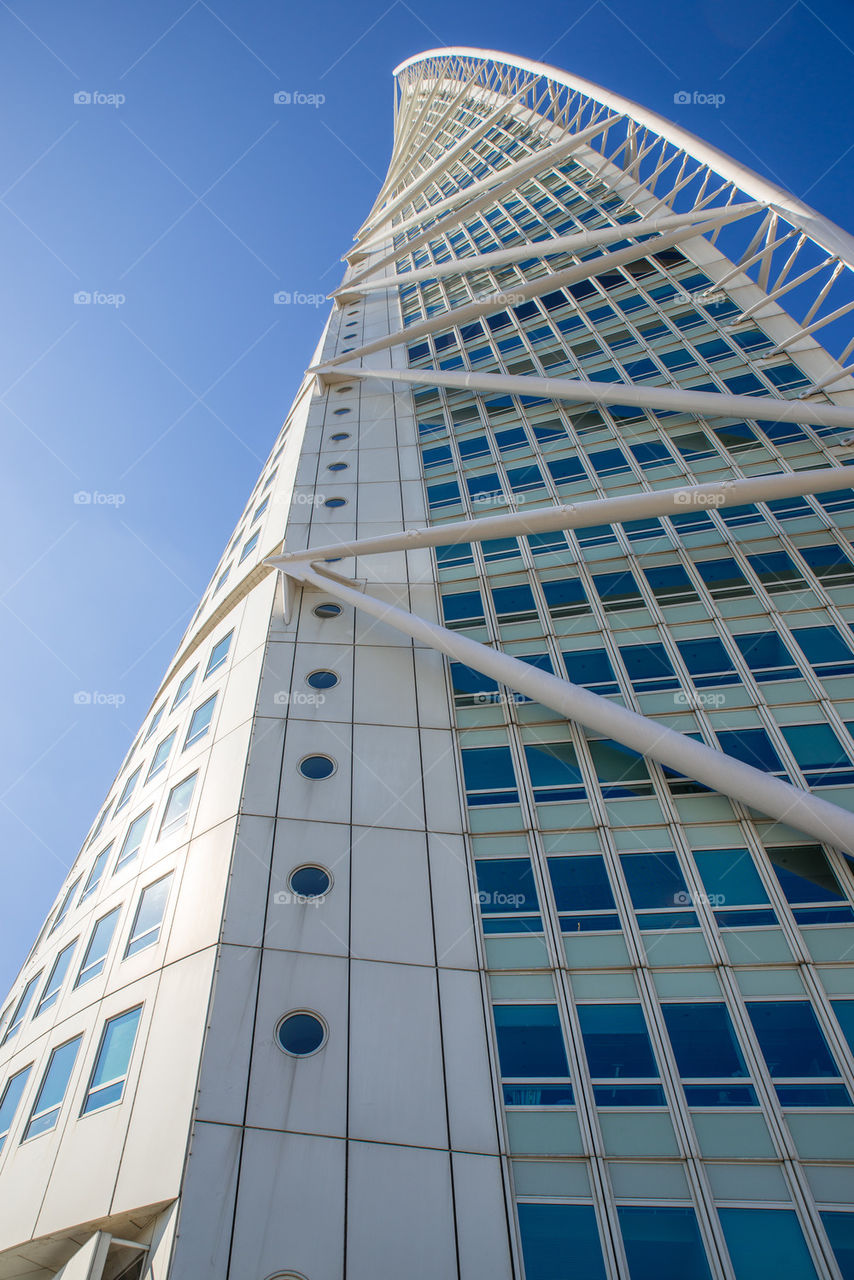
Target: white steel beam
pixel 575 243
pixel 531 288
pixel 706 404
pixel 481 193
pixel 730 777
pixel 635 506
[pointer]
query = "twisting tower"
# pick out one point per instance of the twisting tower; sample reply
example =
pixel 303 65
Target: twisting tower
pixel 475 900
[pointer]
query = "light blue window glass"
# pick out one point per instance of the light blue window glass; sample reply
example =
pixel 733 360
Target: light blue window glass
pixel 840 1232
pixel 765 1244
pixel 161 755
pixel 99 825
pixel 259 511
pixel 178 805
pixel 250 545
pixel 530 1041
pixel 111 1065
pixel 99 944
pixel 133 840
pixel 616 1041
pixel 149 916
pixel 184 688
pixel 155 721
pixel 219 653
pixel 554 1233
pixel 21 1007
pixel 65 905
pixel 221 580
pixel 45 1112
pixel 53 986
pixel 200 722
pixel 127 789
pixel 663 1242
pixel 95 875
pixel 10 1100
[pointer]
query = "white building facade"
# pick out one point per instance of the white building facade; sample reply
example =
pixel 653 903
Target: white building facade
pixel 476 899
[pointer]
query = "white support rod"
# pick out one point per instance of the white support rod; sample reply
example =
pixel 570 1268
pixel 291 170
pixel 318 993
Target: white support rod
pixel 530 288
pixel 441 165
pixel 707 404
pixel 481 193
pixel 635 506
pixel 575 243
pixel 730 777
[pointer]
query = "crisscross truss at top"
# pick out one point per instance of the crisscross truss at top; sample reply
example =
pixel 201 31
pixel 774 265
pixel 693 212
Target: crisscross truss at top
pixel 443 169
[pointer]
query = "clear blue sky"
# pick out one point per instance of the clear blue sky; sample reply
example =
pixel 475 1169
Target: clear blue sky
pixel 197 198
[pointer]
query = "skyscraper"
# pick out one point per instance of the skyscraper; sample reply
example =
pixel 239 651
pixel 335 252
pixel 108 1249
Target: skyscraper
pixel 475 900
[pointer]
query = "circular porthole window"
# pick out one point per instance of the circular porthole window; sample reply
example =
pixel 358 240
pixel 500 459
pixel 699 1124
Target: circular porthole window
pixel 340 412
pixel 337 466
pixel 310 881
pixel 317 767
pixel 341 435
pixel 327 610
pixel 301 1033
pixel 335 502
pixel 322 679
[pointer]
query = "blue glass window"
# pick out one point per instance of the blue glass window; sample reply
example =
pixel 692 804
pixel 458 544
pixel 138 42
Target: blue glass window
pixel 591 668
pixel 95 955
pixel 127 789
pixel 565 597
pixel 671 584
pixel 554 771
pixel 767 656
pixel 616 1042
pixel 708 662
pixel 485 488
pixel 200 722
pixel 111 1065
pixel 826 651
pixel 663 1242
pixel 458 553
pixel 161 755
pixel 9 1102
pixel 443 495
pixel 655 881
pixel 566 469
pixel 819 753
pixel 704 1041
pixel 219 653
pixel 552 1233
pixel 581 886
pixel 514 604
pixel 178 805
pixel 765 1244
pixel 752 746
pixel 505 884
pixel 53 986
pixel 620 770
pixel 65 905
pixel 45 1112
pixel 618 591
pixel 723 578
pixel 22 1007
pixel 791 1039
pixel 609 462
pixel 489 775
pixel 184 688
pixel 829 564
pixel 732 883
pixel 776 570
pixel 133 840
pixel 649 667
pixel 149 916
pixel 840 1232
pixel 462 608
pixel 97 872
pixel 530 1041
